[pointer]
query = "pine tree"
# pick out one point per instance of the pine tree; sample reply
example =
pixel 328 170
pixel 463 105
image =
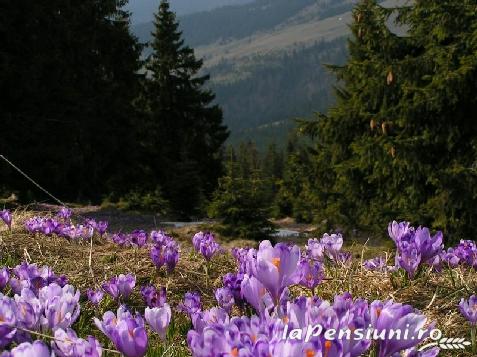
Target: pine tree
pixel 241 201
pixel 66 105
pixel 400 143
pixel 295 197
pixel 185 134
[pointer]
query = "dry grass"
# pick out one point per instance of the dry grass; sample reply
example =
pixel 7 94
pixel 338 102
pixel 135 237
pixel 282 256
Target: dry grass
pixel 436 295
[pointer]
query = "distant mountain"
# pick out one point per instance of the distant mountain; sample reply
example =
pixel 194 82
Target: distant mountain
pixel 143 10
pixel 266 60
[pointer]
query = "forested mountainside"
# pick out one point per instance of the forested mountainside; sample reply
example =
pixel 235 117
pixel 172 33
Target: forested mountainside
pixel 267 60
pixel 143 9
pixel 262 95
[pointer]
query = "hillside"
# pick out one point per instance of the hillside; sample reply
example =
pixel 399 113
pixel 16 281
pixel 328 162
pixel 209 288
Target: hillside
pixel 266 60
pixel 142 10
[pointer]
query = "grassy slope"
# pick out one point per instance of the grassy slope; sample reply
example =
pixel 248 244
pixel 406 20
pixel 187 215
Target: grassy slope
pixel 301 30
pixel 436 295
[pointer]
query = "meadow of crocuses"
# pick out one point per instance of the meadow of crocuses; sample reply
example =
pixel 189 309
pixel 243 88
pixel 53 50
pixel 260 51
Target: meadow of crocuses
pixel 314 300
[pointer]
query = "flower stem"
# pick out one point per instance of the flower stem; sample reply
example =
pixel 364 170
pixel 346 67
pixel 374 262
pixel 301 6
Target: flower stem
pixel 452 277
pixel 206 270
pixel 473 338
pixel 57 339
pixel 373 351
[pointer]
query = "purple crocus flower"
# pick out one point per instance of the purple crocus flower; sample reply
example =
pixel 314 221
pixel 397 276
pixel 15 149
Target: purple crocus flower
pixel 205 244
pixel 26 271
pixel 121 239
pixel 26 349
pixel 277 267
pixel 466 251
pixel 127 332
pixel 126 284
pixel 32 225
pixel 64 213
pixel 311 273
pixel 225 298
pixel 17 285
pixel 204 319
pixel 84 232
pixel 70 232
pixel 191 304
pixel 344 259
pixel 233 282
pixel 160 238
pixel 138 238
pixel 300 348
pixel 120 286
pixel 416 246
pixel 50 226
pixel 61 306
pixel 332 244
pixel 7 320
pixel 153 297
pixel 213 341
pixel 246 259
pixel 469 309
pixel 171 255
pixel 28 310
pixel 408 258
pixel 111 288
pixel 249 264
pixel 428 246
pixel 375 264
pixel 6 217
pixel 102 227
pixel 159 319
pixel 209 248
pixel 29 276
pixel 197 240
pixel 315 249
pixel 165 254
pixel 241 255
pixel 67 344
pixel 89 222
pixel 352 315
pixel 397 231
pixel 389 315
pixel 158 256
pixel 256 294
pixel 451 258
pixel 95 296
pixel 4 278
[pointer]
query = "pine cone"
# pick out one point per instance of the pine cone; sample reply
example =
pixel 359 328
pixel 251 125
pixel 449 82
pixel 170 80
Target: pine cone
pixel 372 124
pixel 390 78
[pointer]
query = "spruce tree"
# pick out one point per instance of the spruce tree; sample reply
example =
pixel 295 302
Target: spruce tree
pixel 400 143
pixel 68 77
pixel 185 134
pixel 241 200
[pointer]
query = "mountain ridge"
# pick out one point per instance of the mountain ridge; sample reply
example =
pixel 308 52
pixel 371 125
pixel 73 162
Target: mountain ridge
pixel 143 10
pixel 266 79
